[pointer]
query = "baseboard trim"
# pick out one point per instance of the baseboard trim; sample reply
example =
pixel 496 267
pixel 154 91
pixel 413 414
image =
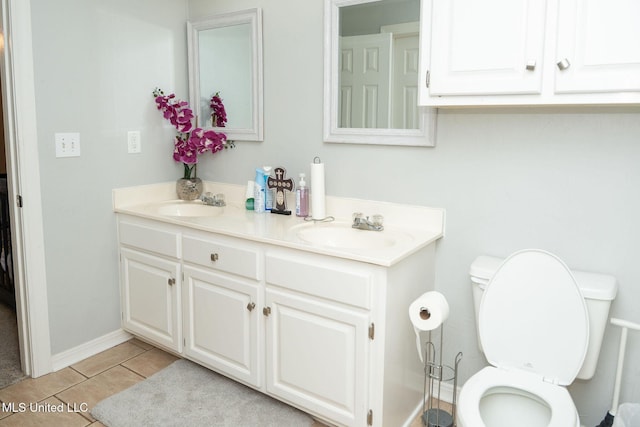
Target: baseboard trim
pixel 88 349
pixel 446 392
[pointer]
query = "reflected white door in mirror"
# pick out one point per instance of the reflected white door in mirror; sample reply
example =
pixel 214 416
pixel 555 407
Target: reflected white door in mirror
pixel 371 74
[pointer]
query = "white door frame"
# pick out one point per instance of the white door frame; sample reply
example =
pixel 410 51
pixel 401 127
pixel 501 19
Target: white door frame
pixel 23 178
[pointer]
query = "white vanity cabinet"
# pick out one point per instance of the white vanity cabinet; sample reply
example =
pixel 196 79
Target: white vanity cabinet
pixel 529 52
pixel 221 304
pixel 326 334
pixel 150 282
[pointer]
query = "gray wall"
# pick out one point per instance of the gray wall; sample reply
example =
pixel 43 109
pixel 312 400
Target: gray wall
pixel 562 179
pixel 96 63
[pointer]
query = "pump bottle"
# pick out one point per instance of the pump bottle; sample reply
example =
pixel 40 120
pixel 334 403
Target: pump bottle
pixel 302 198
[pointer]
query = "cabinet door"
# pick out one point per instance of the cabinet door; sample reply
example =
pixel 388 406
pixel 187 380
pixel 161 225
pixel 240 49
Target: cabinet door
pixel 151 298
pixel 599 40
pixel 317 356
pixel 221 323
pixel 485 47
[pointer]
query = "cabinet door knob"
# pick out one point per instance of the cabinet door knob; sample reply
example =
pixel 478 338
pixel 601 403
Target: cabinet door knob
pixel 171 281
pixel 214 257
pixel 564 64
pixel 531 65
pixel 251 306
pixel 266 311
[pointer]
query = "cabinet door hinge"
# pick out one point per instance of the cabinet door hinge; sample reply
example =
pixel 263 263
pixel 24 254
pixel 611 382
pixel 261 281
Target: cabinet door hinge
pixel 372 331
pixel 427 79
pixel 19 200
pixel 370 418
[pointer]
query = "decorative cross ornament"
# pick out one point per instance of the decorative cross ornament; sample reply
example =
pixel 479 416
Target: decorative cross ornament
pixel 280 184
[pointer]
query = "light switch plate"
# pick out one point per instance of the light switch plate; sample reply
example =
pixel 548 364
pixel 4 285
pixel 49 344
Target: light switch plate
pixel 67 144
pixel 134 143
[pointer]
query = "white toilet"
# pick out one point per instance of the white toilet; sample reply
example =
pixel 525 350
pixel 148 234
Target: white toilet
pixel 540 326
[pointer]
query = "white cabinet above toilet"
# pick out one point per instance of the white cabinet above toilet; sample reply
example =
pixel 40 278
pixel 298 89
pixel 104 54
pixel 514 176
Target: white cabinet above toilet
pixel 529 52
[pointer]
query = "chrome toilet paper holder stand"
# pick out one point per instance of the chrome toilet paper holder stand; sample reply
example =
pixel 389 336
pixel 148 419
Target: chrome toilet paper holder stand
pixel 434 374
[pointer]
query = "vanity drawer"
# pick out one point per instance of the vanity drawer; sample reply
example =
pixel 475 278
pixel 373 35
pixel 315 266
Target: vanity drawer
pixel 335 280
pixel 149 238
pixel 222 254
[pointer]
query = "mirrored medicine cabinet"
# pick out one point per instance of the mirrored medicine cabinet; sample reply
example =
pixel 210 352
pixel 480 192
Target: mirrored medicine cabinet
pixel 371 60
pixel 225 57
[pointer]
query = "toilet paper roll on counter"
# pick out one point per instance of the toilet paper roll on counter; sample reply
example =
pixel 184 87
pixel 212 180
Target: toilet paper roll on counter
pixel 318 210
pixel 427 313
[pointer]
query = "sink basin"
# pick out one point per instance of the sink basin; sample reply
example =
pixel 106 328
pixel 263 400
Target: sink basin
pixel 341 235
pixel 187 209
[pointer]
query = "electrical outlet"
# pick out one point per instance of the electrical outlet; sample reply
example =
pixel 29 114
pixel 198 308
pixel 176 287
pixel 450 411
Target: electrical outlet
pixel 133 141
pixel 67 144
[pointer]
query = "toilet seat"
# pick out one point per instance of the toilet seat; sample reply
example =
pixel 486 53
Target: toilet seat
pixel 533 318
pixel 534 329
pixel 557 398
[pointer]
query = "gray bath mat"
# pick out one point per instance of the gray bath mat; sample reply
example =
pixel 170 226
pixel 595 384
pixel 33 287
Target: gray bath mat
pixel 186 394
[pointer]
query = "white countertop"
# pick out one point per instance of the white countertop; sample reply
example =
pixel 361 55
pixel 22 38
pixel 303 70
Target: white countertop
pixel 407 228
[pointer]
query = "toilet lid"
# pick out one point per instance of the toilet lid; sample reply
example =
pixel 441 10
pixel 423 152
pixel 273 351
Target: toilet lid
pixel 533 318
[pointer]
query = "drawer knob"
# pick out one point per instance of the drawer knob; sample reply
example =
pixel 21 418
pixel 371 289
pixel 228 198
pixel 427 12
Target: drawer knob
pixel 564 64
pixel 214 257
pixel 251 306
pixel 171 281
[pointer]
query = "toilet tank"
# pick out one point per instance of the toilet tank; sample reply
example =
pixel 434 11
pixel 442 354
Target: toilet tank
pixel 598 291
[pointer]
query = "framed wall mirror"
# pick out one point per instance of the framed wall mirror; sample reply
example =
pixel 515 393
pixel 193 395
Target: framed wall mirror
pixel 225 57
pixel 371 67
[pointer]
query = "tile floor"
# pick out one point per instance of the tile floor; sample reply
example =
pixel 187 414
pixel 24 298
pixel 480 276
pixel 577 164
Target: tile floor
pixel 65 398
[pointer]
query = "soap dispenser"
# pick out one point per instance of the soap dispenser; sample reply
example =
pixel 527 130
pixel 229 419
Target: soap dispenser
pixel 302 198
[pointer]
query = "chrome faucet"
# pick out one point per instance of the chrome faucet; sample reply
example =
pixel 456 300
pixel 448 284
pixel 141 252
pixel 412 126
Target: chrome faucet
pixel 363 223
pixel 211 199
